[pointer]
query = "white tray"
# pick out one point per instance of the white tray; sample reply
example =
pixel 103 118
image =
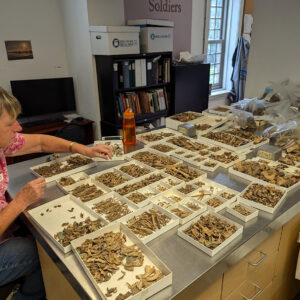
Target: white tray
pixel 200 174
pixel 200 246
pixel 161 143
pixel 183 185
pixel 229 191
pixel 77 177
pixel 111 143
pixel 140 137
pixel 113 170
pixel 193 213
pixel 172 223
pixel 259 205
pixel 134 162
pixel 50 222
pixel 202 206
pixel 197 163
pixel 250 178
pixel 213 121
pixel 203 145
pixel 254 212
pixel 227 165
pixel 173 124
pixel 172 181
pixel 162 201
pixel 149 259
pixel 132 207
pixel 143 191
pixel 220 113
pixel 160 186
pixel 63 174
pixel 209 168
pixel 239 149
pixel 218 208
pixel 173 192
pixel 133 181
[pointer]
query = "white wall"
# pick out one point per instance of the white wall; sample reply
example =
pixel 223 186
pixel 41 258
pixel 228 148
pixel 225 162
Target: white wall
pixel 198 26
pixel 275 44
pixel 39 21
pixel 106 12
pixel 76 26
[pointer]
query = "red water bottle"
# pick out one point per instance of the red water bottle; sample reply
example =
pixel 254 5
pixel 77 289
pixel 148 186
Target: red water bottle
pixel 129 135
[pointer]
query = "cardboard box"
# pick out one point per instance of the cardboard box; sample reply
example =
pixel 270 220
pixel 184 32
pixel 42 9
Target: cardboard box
pixel 111 40
pixel 155 35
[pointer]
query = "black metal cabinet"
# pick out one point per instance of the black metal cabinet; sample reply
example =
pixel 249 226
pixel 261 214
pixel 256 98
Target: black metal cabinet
pixel 109 89
pixel 190 87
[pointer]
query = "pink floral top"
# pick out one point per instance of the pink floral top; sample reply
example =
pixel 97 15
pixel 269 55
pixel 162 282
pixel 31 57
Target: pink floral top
pixel 16 145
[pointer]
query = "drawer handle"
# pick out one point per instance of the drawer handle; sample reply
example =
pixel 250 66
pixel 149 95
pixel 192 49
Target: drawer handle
pixel 255 295
pixel 260 261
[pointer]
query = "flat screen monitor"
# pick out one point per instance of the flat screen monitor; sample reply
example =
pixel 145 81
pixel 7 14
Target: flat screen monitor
pixel 44 96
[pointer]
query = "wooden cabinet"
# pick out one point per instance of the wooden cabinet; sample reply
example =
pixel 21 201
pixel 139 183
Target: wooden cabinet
pixel 109 71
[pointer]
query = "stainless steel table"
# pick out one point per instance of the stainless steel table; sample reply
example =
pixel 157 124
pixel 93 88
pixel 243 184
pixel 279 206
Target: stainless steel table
pixel 187 263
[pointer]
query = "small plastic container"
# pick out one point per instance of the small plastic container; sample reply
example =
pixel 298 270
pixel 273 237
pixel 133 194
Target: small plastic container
pixel 129 134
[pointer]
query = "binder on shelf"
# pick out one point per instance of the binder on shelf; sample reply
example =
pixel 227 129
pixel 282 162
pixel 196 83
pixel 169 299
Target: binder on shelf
pixel 132 74
pixel 125 69
pixel 155 71
pixel 143 72
pixel 116 75
pixel 149 72
pixel 138 73
pixel 161 99
pixel 120 74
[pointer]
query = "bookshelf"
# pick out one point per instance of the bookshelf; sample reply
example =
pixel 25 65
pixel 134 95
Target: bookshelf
pixel 139 81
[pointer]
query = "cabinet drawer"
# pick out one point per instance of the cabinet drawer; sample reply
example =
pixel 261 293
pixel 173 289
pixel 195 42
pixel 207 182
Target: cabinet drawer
pixel 251 291
pixel 263 273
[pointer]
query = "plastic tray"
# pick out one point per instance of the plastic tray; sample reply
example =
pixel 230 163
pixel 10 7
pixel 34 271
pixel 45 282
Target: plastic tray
pixel 202 206
pixel 112 143
pixel 173 124
pixel 254 212
pixel 113 170
pixel 137 163
pixel 76 177
pixel 50 222
pixel 193 213
pixel 259 205
pixel 140 137
pixel 160 186
pixel 143 191
pixel 183 185
pixel 210 252
pixel 63 174
pixel 90 181
pixel 213 121
pixel 149 259
pixel 132 207
pixel 220 113
pixel 240 157
pixel 162 201
pixel 161 143
pixel 172 223
pixel 218 208
pixel 173 192
pixel 209 168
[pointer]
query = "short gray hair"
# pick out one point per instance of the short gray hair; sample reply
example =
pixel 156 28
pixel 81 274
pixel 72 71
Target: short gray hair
pixel 9 103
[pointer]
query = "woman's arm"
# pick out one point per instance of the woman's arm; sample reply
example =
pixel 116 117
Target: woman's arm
pixel 46 143
pixel 29 194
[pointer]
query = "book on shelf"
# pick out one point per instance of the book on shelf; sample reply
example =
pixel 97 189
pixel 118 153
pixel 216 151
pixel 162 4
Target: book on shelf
pixel 142 102
pixel 141 72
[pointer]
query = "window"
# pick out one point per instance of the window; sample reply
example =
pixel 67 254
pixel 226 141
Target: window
pixel 216 41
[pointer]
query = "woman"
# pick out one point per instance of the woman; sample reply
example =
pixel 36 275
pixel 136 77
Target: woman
pixel 18 255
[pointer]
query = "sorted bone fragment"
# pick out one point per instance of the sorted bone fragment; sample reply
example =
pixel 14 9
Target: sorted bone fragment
pixel 227 195
pixel 161 187
pixel 201 195
pixel 153 160
pixel 137 197
pixel 111 179
pixel 111 208
pixel 76 230
pixel 183 172
pixel 188 188
pixel 104 255
pixel 186 116
pixel 210 164
pixel 135 170
pixel 266 173
pixel 210 231
pixel 226 138
pixel 148 222
pixel 181 213
pixel 64 181
pixel 175 198
pixel 116 149
pixel 193 206
pixel 140 184
pixel 55 168
pixel 214 149
pixel 226 157
pixel 266 195
pixel 214 202
pixel 247 135
pixel 172 182
pixel 186 143
pixel 164 204
pixel 242 210
pixel 162 148
pixel 202 127
pixel 110 291
pixel 199 159
pixel 87 192
pixel 153 137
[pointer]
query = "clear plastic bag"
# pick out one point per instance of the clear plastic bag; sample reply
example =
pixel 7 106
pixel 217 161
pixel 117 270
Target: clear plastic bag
pixel 280 129
pixel 254 105
pixel 243 119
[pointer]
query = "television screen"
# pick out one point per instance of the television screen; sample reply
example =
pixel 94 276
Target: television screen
pixel 44 96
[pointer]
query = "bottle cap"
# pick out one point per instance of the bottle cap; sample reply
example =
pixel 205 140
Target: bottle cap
pixel 128 114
